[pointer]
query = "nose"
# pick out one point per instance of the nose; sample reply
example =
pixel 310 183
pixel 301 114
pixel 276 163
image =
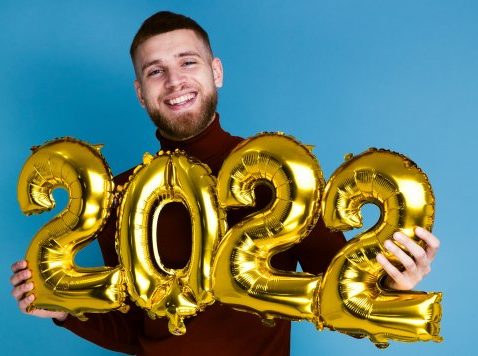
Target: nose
pixel 175 79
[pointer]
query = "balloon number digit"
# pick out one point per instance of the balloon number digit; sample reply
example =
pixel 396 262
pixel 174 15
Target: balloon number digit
pixel 176 294
pixel 352 298
pixel 58 283
pixel 232 266
pixel 242 273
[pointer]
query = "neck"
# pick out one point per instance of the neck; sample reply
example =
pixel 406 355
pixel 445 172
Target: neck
pixel 207 146
pixel 179 139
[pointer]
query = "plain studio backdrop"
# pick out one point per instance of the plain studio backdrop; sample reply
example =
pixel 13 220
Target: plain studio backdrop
pixel 340 75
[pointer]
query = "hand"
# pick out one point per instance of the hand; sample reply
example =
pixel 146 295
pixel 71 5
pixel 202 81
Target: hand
pixel 415 267
pixel 21 287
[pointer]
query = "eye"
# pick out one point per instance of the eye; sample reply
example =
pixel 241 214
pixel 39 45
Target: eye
pixel 155 72
pixel 189 62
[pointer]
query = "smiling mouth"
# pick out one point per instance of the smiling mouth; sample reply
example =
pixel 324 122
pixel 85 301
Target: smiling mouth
pixel 181 100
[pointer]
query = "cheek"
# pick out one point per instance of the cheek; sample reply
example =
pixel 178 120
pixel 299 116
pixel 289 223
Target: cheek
pixel 208 83
pixel 151 94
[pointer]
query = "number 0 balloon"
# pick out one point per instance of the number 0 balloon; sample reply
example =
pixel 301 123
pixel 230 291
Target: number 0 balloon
pixel 176 294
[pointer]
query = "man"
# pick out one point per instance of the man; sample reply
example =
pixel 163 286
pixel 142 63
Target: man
pixel 177 79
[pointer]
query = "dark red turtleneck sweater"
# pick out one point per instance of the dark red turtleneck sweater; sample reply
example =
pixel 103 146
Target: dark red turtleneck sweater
pixel 219 329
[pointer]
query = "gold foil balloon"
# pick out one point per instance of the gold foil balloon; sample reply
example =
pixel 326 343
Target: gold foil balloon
pixel 59 284
pixel 243 276
pixel 174 293
pixel 352 299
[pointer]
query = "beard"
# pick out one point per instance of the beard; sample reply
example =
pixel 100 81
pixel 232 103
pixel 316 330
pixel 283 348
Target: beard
pixel 186 125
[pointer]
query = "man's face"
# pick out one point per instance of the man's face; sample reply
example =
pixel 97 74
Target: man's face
pixel 177 83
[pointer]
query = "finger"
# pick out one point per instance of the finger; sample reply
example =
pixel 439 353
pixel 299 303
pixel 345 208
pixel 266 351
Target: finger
pixel 25 302
pixel 19 291
pixel 433 243
pixel 419 255
pixel 42 313
pixel 20 277
pixel 407 262
pixel 19 265
pixel 391 270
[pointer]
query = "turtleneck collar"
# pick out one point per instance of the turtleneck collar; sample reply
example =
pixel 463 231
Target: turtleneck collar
pixel 204 146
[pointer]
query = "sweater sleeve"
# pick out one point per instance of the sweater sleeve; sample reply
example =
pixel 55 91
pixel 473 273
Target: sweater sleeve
pixel 113 330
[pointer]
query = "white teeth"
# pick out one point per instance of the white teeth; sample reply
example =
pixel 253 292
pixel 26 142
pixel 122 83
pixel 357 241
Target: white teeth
pixel 181 99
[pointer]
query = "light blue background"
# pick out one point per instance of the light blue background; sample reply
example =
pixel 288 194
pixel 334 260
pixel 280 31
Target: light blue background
pixel 342 75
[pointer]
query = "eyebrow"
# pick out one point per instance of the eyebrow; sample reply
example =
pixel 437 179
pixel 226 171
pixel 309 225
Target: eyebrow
pixel 179 55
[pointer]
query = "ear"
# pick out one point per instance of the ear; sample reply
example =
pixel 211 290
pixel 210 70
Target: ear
pixel 217 72
pixel 139 92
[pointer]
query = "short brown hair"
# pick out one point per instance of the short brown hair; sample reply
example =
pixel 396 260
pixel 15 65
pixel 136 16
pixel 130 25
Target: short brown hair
pixel 166 21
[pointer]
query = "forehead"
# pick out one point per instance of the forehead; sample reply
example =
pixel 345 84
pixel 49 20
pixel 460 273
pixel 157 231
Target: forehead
pixel 169 45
